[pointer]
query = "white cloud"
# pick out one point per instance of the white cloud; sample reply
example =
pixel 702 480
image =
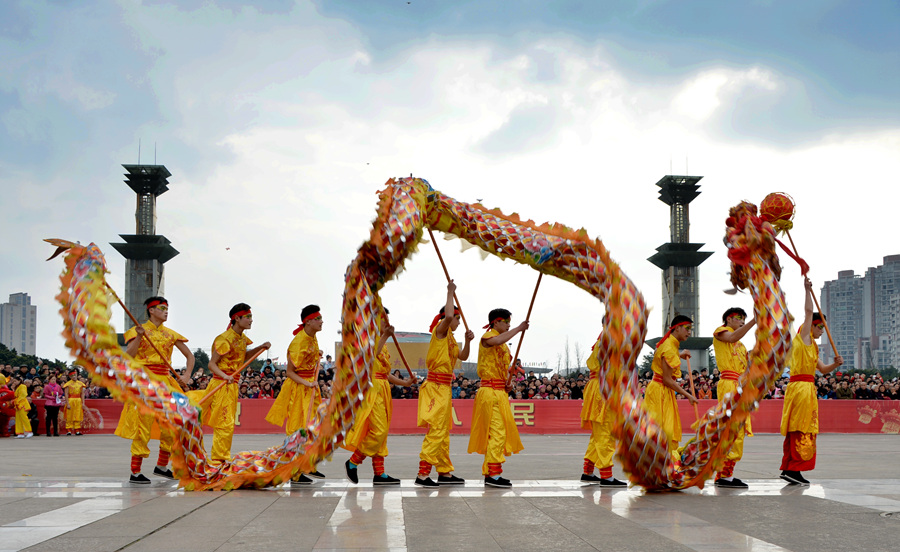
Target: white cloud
pixel 701 96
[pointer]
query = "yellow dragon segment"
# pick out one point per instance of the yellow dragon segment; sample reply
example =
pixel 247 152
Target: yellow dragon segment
pixel 406 206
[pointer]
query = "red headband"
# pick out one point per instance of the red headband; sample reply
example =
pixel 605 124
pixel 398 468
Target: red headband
pixel 672 327
pixel 305 320
pixel 237 315
pixel 491 323
pixel 152 304
pixel 438 318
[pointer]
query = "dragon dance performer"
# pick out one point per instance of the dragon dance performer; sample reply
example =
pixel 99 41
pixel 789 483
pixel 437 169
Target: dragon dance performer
pixel 229 353
pixel 731 359
pixel 7 406
pixel 599 419
pixel 659 398
pixel 494 433
pixel 23 424
pixel 301 386
pixel 800 414
pixel 133 425
pixel 368 437
pixel 74 403
pixel 435 408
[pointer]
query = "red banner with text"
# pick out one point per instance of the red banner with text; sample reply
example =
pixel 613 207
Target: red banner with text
pixel 546 417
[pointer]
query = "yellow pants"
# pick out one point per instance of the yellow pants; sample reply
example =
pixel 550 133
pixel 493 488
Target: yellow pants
pixel 602 445
pixel 142 437
pixel 496 444
pixel 221 445
pixel 74 415
pixel 436 445
pixel 23 424
pixel 374 441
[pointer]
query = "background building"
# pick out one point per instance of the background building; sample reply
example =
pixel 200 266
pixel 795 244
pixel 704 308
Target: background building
pixel 18 324
pixel 863 317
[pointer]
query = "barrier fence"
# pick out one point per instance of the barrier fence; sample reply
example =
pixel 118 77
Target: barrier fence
pixel 545 417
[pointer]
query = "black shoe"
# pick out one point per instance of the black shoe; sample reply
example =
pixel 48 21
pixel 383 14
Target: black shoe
pixel 735 483
pixel 77 433
pixel 163 472
pixel 138 479
pixel 499 482
pixel 68 433
pixel 613 482
pixel 795 478
pixel 590 479
pixel 450 479
pixel 425 482
pixel 56 434
pixel 316 475
pixel 385 479
pixel 352 474
pixel 300 481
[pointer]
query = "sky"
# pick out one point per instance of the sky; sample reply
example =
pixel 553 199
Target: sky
pixel 280 121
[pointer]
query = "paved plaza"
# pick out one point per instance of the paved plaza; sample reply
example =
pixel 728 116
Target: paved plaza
pixel 69 493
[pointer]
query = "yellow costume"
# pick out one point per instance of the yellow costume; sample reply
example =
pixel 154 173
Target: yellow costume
pixel 731 359
pixel 659 400
pixel 494 431
pixel 435 408
pixel 75 406
pixel 368 437
pixel 23 424
pixel 133 425
pixel 293 402
pixel 599 419
pixel 220 410
pixel 800 414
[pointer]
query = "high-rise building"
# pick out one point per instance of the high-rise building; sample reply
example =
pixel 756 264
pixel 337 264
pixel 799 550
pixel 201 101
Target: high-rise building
pixel 18 324
pixel 679 260
pixel 145 251
pixel 862 314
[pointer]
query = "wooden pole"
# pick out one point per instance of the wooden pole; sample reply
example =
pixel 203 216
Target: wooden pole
pixel 693 391
pixel 136 323
pixel 816 301
pixel 224 383
pixel 522 335
pixel 447 274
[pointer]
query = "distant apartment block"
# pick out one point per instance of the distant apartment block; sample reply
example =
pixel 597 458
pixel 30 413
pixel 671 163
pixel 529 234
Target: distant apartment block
pixel 864 316
pixel 18 324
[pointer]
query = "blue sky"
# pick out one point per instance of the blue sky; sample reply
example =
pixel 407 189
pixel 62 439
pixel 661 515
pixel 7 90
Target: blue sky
pixel 279 120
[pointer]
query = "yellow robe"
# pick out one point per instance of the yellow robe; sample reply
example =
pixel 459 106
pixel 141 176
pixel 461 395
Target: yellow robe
pixel 801 407
pixel 373 421
pixel 494 432
pixel 23 424
pixel 132 425
pixel 293 401
pixel 731 357
pixel 75 406
pixel 659 400
pixel 435 405
pixel 220 410
pixel 596 417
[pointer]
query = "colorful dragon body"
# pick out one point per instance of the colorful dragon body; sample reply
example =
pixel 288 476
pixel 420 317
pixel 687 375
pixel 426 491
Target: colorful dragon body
pixel 406 206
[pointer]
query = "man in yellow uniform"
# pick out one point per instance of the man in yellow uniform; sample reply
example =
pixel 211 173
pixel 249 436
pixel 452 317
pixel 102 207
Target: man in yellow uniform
pixel 229 353
pixel 731 359
pixel 596 417
pixel 74 403
pixel 435 407
pixel 133 425
pixel 800 414
pixel 368 437
pixel 23 424
pixel 659 397
pixel 494 431
pixel 300 396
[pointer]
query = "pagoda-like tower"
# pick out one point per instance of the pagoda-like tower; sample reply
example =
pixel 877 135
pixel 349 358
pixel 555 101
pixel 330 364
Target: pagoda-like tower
pixel 145 251
pixel 679 260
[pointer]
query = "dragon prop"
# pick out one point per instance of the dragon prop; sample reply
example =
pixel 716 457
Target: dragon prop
pixel 406 206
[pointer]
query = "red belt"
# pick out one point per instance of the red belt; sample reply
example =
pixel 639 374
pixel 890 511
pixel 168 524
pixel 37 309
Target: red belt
pixel 498 384
pixel 803 377
pixel 729 375
pixel 440 379
pixel 380 375
pixel 657 378
pixel 308 374
pixel 158 369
